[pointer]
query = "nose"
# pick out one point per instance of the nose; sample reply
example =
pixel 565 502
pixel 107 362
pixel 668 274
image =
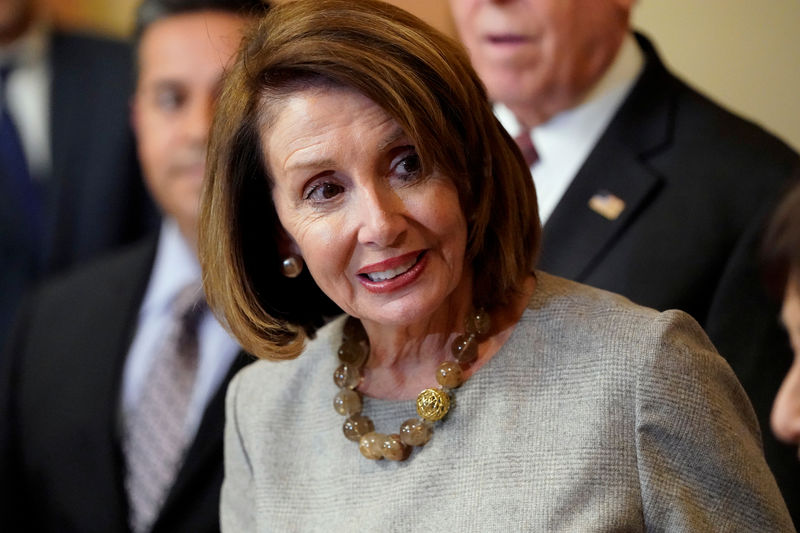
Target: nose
pixel 381 217
pixel 785 418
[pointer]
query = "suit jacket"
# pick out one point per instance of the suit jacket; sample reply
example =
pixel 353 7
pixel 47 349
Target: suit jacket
pixel 62 465
pixel 698 183
pixel 94 199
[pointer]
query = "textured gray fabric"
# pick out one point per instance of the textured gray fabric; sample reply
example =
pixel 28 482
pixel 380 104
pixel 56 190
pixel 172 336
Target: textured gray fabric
pixel 597 415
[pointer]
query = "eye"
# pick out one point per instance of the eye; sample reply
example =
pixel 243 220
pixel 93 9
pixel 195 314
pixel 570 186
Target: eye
pixel 407 166
pixel 169 99
pixel 321 192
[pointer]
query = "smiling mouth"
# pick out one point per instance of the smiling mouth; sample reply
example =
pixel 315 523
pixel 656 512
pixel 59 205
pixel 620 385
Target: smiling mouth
pixel 392 273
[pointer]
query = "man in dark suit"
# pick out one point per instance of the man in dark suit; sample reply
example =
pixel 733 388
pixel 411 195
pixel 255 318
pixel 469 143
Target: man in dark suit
pixel 646 187
pixel 111 400
pixel 67 95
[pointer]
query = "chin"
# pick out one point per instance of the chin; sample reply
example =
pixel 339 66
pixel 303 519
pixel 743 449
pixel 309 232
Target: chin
pixel 404 312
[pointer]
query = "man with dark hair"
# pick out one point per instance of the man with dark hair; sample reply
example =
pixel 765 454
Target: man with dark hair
pixel 70 186
pixel 645 187
pixel 112 393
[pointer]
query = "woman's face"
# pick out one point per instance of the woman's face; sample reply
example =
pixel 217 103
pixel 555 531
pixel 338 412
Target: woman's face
pixel 786 409
pixel 380 238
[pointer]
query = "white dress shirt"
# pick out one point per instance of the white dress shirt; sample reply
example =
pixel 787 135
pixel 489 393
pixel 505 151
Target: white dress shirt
pixel 175 267
pixel 565 141
pixel 28 95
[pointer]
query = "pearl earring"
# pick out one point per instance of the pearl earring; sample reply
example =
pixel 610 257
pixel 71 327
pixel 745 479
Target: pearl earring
pixel 292 266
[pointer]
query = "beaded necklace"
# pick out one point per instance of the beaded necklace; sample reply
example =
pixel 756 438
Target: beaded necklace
pixel 432 404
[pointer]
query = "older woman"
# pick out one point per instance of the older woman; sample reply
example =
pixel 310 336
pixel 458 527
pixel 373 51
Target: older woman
pixel 782 258
pixel 355 160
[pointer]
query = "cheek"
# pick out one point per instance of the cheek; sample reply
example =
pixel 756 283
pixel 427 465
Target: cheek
pixel 154 146
pixel 322 245
pixel 440 213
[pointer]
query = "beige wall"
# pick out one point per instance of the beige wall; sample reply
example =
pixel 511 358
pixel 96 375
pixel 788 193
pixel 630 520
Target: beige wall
pixel 744 53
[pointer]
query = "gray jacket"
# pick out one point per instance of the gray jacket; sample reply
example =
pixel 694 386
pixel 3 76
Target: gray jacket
pixel 596 415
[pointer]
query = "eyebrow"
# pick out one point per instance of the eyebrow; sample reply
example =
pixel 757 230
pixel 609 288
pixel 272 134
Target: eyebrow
pixel 392 138
pixel 311 164
pixel 165 84
pixel 397 134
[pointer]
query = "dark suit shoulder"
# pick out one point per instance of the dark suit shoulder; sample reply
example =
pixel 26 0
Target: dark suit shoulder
pixel 694 143
pixel 661 97
pixel 104 287
pixel 703 120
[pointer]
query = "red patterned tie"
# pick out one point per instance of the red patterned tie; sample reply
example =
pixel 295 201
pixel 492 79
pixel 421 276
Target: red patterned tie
pixel 155 439
pixel 526 147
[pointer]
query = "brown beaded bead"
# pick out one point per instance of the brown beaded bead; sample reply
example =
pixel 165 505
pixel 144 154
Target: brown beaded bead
pixel 465 348
pixel 478 322
pixel 414 432
pixel 449 375
pixel 371 445
pixel 347 376
pixel 357 426
pixel 353 352
pixel 393 448
pixel 347 402
pixel 433 404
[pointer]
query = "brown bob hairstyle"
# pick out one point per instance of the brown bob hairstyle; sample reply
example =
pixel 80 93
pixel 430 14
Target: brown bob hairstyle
pixel 424 81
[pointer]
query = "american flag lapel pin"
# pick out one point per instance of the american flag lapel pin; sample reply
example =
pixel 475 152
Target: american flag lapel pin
pixel 607 205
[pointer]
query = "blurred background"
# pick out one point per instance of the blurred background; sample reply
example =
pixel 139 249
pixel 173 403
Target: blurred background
pixel 745 54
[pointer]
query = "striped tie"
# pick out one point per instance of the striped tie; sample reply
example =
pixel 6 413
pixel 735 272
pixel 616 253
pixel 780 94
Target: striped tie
pixel 155 439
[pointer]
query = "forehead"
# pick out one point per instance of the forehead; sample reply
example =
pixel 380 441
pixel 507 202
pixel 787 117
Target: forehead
pixel 189 46
pixel 312 117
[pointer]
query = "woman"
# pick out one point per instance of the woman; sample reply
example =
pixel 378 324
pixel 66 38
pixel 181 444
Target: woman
pixel 355 159
pixel 781 252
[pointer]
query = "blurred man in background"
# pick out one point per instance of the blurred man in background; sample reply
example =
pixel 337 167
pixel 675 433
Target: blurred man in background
pixel 69 181
pixel 112 390
pixel 646 187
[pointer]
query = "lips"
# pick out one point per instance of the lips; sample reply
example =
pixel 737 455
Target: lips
pixel 393 273
pixel 507 39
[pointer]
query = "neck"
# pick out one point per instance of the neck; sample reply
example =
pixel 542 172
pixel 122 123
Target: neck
pixel 403 360
pixel 189 233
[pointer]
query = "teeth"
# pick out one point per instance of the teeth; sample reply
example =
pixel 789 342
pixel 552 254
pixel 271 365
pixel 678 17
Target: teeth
pixel 392 272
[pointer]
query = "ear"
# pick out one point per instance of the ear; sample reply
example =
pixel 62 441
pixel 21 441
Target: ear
pixel 287 245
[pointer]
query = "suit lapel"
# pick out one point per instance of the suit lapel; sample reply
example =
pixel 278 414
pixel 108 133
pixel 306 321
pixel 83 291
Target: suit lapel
pixel 577 234
pixel 205 453
pixel 120 319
